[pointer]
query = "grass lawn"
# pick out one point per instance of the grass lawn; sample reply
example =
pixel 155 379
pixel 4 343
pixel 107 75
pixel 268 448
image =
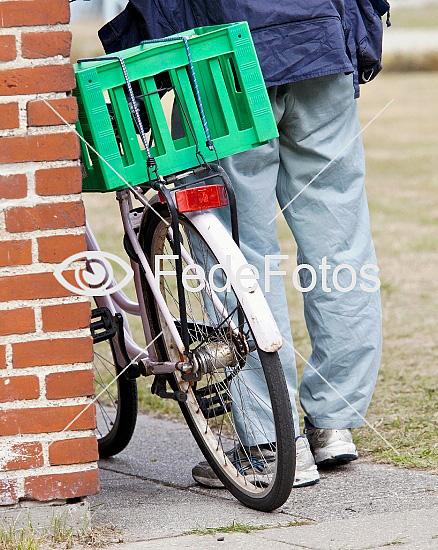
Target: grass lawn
pixel 402 163
pixel 402 183
pixel 415 17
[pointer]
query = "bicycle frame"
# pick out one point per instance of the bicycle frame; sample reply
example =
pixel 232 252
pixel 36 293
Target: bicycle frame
pixel 118 302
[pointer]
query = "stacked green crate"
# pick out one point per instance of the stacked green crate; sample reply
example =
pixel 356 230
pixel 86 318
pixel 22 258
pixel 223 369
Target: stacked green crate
pixel 231 87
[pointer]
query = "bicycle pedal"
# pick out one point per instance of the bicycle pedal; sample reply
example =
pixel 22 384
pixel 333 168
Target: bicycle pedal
pixel 105 327
pixel 159 388
pixel 179 396
pixel 214 405
pixel 210 411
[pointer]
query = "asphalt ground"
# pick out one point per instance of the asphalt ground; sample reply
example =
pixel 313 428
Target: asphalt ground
pixel 149 497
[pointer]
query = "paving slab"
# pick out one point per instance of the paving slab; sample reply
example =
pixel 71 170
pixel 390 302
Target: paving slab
pixel 147 492
pixel 411 530
pixel 143 510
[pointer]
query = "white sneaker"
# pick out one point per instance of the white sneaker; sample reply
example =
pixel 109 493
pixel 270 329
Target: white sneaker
pixel 330 446
pixel 255 463
pixel 306 472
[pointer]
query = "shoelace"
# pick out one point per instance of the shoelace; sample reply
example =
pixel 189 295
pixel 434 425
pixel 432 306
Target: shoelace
pixel 253 462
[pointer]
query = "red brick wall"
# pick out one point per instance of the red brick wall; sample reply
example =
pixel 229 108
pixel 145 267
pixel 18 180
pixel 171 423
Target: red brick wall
pixel 45 345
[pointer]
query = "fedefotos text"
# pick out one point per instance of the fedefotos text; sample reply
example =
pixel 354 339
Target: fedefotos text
pixel 341 278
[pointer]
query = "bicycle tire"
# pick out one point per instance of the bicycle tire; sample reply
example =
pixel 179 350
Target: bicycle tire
pixel 116 408
pixel 272 494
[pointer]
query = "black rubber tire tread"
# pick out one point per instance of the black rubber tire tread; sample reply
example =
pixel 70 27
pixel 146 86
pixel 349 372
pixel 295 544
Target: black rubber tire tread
pixel 123 428
pixel 274 374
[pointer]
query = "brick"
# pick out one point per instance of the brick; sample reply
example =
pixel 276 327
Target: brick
pixel 34 80
pixel 17 321
pixel 23 456
pixel 70 384
pixel 13 388
pixel 15 252
pixel 8 51
pixel 36 45
pixel 60 486
pixel 73 451
pixel 45 216
pixel 63 146
pixel 8 492
pixel 47 419
pixel 2 357
pixel 34 286
pixel 59 351
pixel 8 115
pixel 66 317
pixel 18 13
pixel 40 114
pixel 58 181
pixel 13 186
pixel 57 249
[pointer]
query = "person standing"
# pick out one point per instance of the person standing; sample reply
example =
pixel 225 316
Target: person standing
pixel 313 55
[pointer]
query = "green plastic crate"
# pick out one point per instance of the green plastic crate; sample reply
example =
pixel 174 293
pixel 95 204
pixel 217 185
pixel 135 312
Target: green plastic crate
pixel 231 87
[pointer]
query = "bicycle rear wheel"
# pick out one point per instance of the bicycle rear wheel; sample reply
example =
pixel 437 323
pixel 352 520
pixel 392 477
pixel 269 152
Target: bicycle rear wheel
pixel 241 407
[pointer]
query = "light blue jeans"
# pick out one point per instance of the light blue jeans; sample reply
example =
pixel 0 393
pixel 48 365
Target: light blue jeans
pixel 316 119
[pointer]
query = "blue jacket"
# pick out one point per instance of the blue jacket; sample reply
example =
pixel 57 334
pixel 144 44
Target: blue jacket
pixel 294 39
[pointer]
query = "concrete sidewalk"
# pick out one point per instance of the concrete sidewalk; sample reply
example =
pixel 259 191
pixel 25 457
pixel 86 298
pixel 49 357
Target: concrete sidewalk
pixel 405 530
pixel 148 495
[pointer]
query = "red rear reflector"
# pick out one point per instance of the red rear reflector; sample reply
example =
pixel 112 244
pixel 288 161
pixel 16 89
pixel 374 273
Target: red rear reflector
pixel 201 198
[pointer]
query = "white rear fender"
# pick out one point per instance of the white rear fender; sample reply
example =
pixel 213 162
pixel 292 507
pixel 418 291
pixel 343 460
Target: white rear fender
pixel 249 293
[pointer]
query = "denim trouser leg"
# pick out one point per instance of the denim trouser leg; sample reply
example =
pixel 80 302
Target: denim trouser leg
pixel 317 120
pixel 254 176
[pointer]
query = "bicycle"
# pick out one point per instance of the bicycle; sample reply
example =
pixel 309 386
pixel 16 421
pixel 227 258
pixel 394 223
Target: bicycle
pixel 207 340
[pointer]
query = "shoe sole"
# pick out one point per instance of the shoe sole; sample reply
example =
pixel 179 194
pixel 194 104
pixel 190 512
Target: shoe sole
pixel 303 483
pixel 305 478
pixel 209 483
pixel 337 460
pixel 338 452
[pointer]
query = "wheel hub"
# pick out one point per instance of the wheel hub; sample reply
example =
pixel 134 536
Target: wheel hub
pixel 215 355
